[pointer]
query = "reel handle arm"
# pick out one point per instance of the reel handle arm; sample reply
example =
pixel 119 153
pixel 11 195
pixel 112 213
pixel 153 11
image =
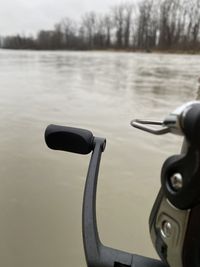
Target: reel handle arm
pixel 98 255
pixel 82 141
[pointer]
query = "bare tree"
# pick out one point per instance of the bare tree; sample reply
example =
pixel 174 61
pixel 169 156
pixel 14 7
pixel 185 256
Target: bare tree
pixel 128 11
pixel 108 25
pixel 100 33
pixel 164 27
pixel 1 42
pixel 118 20
pixel 144 24
pixel 68 28
pixel 44 39
pixel 57 41
pixel 89 22
pixel 172 23
pixel 194 23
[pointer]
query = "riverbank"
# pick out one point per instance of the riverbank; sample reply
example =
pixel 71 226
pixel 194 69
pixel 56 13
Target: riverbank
pixel 127 50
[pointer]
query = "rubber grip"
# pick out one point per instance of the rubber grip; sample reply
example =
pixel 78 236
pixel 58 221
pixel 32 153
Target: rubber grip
pixel 69 139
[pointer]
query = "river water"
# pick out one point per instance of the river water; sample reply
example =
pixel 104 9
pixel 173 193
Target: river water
pixel 41 190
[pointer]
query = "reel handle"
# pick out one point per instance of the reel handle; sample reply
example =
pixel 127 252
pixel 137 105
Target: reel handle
pixel 69 139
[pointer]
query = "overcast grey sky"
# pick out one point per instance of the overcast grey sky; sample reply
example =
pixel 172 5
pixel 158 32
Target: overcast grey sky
pixel 29 16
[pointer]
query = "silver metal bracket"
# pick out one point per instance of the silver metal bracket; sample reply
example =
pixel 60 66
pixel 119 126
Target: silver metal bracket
pixel 141 124
pixel 173 123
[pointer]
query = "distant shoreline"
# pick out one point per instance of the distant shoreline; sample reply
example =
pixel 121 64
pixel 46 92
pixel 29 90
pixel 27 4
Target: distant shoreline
pixel 154 51
pixel 166 26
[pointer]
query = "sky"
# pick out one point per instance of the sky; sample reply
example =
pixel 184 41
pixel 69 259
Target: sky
pixel 29 16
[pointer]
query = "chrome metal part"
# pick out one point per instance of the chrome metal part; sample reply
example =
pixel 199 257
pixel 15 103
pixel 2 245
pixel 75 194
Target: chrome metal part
pixel 166 230
pixel 176 181
pixel 173 123
pixel 141 124
pixel 171 223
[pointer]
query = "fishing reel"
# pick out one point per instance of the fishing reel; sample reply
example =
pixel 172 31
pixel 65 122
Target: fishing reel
pixel 175 217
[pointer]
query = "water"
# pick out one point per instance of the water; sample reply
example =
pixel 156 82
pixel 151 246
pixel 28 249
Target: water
pixel 41 190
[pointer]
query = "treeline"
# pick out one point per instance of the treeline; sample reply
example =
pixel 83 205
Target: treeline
pixel 148 25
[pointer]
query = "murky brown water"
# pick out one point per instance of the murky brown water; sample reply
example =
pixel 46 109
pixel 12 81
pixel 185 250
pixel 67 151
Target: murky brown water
pixel 41 190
